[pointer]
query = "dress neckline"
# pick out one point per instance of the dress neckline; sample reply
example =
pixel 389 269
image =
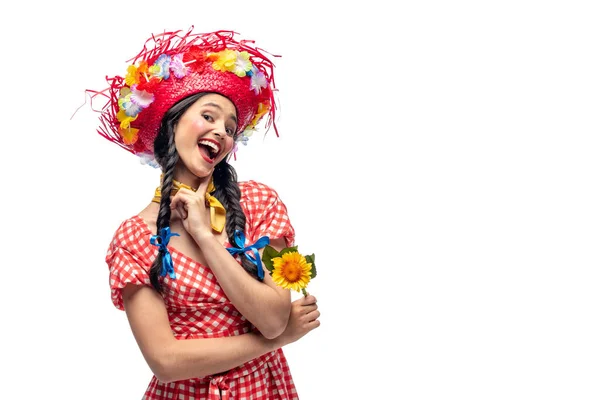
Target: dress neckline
pixel 142 223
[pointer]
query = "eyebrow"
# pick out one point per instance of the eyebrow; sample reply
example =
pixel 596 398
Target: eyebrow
pixel 220 108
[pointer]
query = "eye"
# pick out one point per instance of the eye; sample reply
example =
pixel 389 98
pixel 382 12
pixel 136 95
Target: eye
pixel 207 117
pixel 230 132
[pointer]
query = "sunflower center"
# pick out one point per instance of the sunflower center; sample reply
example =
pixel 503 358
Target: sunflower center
pixel 291 270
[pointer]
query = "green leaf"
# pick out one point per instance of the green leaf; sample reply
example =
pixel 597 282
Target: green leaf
pixel 269 254
pixel 289 250
pixel 313 269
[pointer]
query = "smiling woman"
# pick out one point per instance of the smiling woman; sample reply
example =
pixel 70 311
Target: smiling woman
pixel 209 322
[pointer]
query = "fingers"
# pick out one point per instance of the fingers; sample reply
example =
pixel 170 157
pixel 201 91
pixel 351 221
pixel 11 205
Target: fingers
pixel 311 320
pixel 313 324
pixel 309 308
pixel 305 304
pixel 179 207
pixel 313 315
pixel 203 186
pixel 190 198
pixel 179 198
pixel 185 198
pixel 306 313
pixel 310 299
pixel 176 213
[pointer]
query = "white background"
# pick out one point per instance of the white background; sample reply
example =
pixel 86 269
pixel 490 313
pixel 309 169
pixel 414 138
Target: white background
pixel 439 158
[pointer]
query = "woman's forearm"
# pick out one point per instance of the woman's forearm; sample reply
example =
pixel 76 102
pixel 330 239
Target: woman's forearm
pixel 171 359
pixel 266 306
pixel 195 358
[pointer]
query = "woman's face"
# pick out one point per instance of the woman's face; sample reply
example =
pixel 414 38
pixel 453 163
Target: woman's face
pixel 204 137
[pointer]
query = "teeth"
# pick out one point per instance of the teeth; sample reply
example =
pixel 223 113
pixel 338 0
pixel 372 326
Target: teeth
pixel 213 147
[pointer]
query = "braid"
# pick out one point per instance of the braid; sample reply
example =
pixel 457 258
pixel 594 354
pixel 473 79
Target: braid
pixel 224 178
pixel 167 157
pixel 164 213
pixel 228 193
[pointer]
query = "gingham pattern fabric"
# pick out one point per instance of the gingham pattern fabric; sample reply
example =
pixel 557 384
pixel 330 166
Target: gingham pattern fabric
pixel 198 307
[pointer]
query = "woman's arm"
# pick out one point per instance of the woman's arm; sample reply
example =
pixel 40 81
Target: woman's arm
pixel 171 359
pixel 264 304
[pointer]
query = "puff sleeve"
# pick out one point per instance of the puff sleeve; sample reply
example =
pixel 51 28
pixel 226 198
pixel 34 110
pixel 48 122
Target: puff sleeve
pixel 266 214
pixel 129 258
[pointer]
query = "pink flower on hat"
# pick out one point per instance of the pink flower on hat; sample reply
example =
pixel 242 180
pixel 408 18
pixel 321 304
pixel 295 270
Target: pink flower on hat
pixel 174 65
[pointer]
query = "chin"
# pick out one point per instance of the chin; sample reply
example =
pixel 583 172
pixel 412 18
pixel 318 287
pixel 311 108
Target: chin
pixel 202 172
pixel 202 168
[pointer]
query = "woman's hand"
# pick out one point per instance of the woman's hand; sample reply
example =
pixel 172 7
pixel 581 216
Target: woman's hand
pixel 304 316
pixel 191 207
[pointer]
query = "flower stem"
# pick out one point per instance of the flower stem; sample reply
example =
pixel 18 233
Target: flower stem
pixel 304 292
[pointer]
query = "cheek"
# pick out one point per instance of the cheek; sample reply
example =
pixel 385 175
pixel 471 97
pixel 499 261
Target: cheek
pixel 198 123
pixel 228 144
pixel 186 129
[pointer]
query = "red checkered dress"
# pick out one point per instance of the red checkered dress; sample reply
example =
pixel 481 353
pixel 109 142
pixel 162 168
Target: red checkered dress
pixel 198 307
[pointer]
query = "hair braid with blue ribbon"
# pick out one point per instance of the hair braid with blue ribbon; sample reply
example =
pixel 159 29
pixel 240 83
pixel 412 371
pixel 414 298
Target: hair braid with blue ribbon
pixel 240 241
pixel 161 241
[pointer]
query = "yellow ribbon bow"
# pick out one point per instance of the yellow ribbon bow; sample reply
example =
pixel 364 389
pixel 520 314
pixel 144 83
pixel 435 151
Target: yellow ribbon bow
pixel 217 211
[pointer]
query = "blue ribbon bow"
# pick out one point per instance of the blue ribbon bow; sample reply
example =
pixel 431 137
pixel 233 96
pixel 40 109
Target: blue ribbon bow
pixel 167 262
pixel 240 241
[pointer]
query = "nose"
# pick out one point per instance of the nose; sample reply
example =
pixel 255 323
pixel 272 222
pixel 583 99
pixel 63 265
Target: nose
pixel 220 130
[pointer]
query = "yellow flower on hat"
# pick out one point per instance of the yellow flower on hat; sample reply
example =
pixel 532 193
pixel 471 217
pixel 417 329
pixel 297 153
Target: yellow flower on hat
pixel 124 119
pixel 224 60
pixel 129 135
pixel 134 72
pixel 232 61
pixel 174 65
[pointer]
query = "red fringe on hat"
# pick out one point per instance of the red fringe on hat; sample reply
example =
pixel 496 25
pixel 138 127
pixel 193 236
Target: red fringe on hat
pixel 194 46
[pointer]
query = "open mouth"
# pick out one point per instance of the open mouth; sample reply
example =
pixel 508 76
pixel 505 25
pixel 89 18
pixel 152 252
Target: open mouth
pixel 209 149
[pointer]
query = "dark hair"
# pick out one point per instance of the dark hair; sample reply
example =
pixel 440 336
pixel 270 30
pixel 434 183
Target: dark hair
pixel 224 178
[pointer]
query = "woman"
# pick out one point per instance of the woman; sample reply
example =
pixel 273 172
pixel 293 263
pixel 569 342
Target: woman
pixel 208 319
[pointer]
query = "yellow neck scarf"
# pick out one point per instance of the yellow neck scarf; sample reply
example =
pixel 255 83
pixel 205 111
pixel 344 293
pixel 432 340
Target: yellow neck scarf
pixel 217 211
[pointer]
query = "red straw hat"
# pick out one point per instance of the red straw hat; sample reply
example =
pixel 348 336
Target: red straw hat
pixel 178 65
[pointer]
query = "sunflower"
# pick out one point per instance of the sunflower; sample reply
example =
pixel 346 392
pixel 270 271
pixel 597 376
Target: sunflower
pixel 291 271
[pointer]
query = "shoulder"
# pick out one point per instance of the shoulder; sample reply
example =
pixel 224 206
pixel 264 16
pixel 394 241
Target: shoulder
pixel 130 229
pixel 256 197
pixel 131 235
pixel 266 213
pixel 129 257
pixel 253 191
